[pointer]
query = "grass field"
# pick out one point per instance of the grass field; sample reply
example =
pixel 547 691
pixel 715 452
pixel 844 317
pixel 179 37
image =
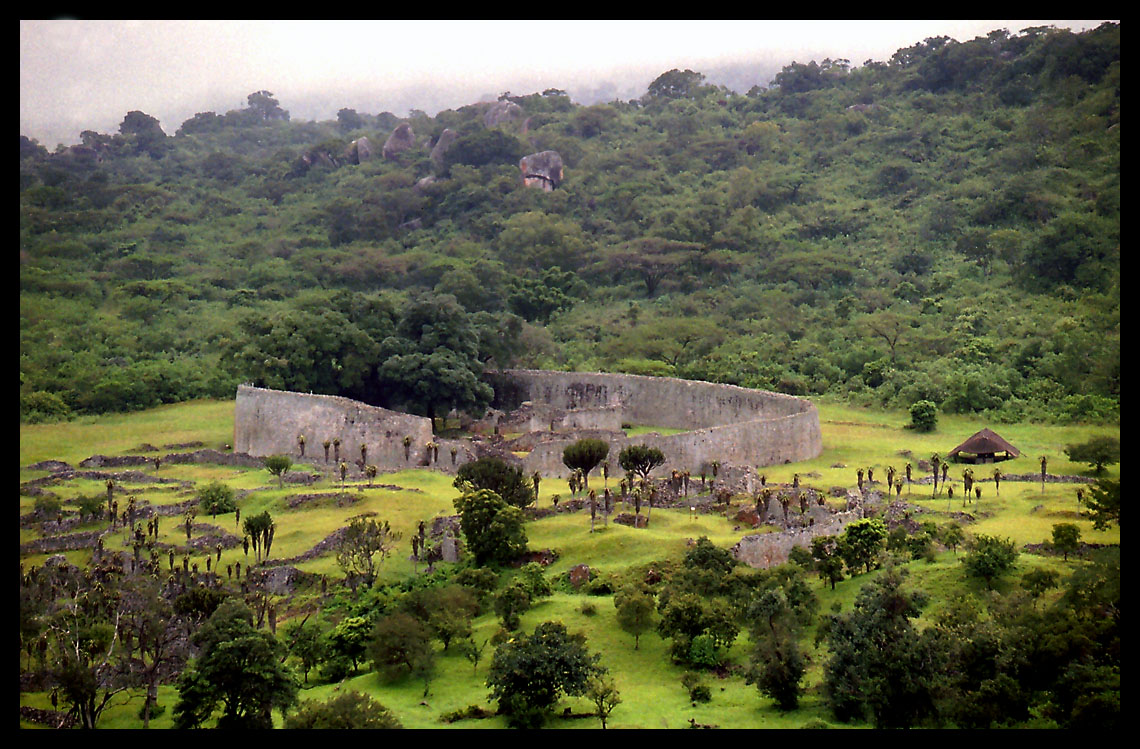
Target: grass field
pixel 652 696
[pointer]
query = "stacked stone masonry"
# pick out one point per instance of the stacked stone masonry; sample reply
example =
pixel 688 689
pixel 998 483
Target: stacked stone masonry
pixel 723 423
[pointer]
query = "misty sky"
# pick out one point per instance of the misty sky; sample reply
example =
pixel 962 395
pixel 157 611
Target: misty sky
pixel 80 75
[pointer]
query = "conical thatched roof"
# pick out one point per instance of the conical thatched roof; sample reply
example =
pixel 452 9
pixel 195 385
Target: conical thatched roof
pixel 985 442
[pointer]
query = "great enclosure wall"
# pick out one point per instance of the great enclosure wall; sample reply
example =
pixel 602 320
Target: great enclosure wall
pixel 541 412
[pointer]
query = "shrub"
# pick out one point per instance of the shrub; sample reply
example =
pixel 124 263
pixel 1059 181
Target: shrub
pixel 923 417
pixel 216 499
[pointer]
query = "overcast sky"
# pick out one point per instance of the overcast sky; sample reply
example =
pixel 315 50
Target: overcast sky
pixel 80 75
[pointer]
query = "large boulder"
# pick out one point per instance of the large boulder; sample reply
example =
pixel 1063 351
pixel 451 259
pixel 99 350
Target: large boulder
pixel 446 138
pixel 543 169
pixel 502 112
pixel 358 151
pixel 401 139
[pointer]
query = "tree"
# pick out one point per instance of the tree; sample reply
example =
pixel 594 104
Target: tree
pixel 640 459
pixel 360 545
pixel 493 529
pixel 777 666
pixel 216 498
pixel 350 638
pixel 240 669
pixel 827 559
pixel 604 695
pixel 511 603
pixel 989 558
pixel 307 644
pixel 265 108
pixel 348 709
pixel 923 416
pixel 879 663
pixel 1103 503
pixel 496 475
pixel 529 673
pixel 675 84
pixel 652 260
pixel 635 612
pixel 1098 452
pixel 861 543
pixel 259 529
pixel 400 646
pixel 1066 538
pixel 584 455
pixel 278 465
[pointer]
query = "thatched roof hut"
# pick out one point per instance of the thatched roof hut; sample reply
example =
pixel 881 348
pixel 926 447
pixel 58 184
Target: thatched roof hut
pixel 983 447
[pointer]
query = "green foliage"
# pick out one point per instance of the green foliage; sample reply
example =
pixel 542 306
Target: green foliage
pixel 363 546
pixel 348 709
pixel 493 529
pixel 640 459
pixel 861 543
pixel 401 645
pixel 1066 538
pixel 1097 452
pixel 989 558
pixel 1103 504
pixel 240 670
pixel 216 498
pixel 923 416
pixel 495 475
pixel 879 663
pixel 530 673
pixel 585 455
pixel 278 465
pixel 635 612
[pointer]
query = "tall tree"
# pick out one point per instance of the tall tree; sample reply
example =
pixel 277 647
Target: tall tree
pixel 240 670
pixel 585 455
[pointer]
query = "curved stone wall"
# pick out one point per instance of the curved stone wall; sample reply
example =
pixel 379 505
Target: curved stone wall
pixel 267 422
pixel 724 423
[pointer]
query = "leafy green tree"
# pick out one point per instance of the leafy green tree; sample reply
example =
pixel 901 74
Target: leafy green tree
pixel 861 543
pixel 777 666
pixel 308 644
pixel 363 546
pixel 923 416
pixel 635 612
pixel 1097 452
pixel 512 602
pixel 496 475
pixel 401 645
pixel 827 560
pixel 604 696
pixel 879 663
pixel 240 671
pixel 1103 503
pixel 349 639
pixel 493 529
pixel 585 455
pixel 640 459
pixel 1066 538
pixel 675 84
pixel 529 673
pixel 989 558
pixel 345 710
pixel 216 498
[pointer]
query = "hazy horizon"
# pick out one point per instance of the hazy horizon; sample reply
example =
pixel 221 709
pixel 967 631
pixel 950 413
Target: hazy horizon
pixel 78 75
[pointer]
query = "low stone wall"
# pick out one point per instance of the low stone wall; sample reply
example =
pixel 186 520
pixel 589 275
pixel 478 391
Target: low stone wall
pixel 768 549
pixel 268 422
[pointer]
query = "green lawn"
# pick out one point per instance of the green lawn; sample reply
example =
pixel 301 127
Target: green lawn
pixel 652 696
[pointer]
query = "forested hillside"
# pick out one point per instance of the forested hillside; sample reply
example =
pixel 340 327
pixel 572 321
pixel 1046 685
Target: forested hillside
pixel 942 226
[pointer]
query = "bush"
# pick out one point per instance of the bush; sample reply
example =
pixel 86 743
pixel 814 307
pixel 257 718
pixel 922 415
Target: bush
pixel 923 417
pixel 216 499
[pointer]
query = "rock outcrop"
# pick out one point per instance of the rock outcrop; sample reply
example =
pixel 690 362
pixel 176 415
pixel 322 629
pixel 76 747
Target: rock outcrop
pixel 401 139
pixel 543 169
pixel 446 138
pixel 358 151
pixel 502 112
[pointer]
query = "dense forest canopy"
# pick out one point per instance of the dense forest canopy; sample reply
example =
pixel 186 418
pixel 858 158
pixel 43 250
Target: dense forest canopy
pixel 941 226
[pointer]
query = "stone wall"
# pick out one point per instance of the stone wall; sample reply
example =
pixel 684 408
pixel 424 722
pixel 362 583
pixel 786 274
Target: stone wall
pixel 268 422
pixel 725 423
pixel 767 549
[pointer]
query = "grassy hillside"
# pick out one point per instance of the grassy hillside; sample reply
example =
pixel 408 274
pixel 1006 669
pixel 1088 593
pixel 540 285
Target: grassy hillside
pixel 652 696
